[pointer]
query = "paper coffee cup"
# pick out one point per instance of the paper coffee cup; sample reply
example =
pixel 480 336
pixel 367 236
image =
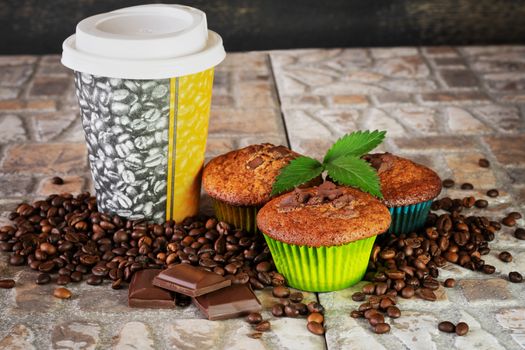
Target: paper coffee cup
pixel 144 79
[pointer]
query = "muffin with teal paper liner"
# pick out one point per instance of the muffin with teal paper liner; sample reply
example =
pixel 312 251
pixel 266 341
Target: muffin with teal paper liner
pixel 408 190
pixel 321 237
pixel 240 182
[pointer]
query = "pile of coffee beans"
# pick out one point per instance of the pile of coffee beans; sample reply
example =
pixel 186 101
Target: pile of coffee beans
pixel 67 240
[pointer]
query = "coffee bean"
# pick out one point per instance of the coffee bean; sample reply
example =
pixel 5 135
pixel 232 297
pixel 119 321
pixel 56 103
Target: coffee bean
pixel 381 328
pixel 48 248
pixel 481 203
pixel 488 269
pixel 462 328
pixel 7 283
pixel 255 335
pixel 393 312
pixel 62 293
pixel 508 221
pixel 484 163
pixel 356 314
pixel 515 215
pixel 254 318
pixel 447 183
pixel 296 297
pixel 358 296
pixel 281 292
pixel 407 292
pixel 47 266
pixel 264 326
pixel 43 278
pixel 94 280
pixel 515 277
pixel 264 266
pixel 302 308
pixel 315 328
pixel 505 256
pixel 450 283
pixel 315 317
pixel 369 288
pixel 467 186
pixel 57 180
pixel 493 193
pixel 426 294
pixel 520 233
pixel 63 280
pixel 278 310
pixel 447 327
pixel 117 284
pixel 376 318
pixel 16 260
pixel 291 311
pixel 315 307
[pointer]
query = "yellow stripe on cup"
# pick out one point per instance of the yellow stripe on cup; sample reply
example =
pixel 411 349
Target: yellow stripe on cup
pixel 190 100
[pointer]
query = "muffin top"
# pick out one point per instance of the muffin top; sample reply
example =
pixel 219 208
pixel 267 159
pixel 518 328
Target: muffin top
pixel 404 182
pixel 323 216
pixel 246 176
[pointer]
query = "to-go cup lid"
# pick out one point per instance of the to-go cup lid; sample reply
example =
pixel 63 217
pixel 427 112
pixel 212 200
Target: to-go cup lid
pixel 144 42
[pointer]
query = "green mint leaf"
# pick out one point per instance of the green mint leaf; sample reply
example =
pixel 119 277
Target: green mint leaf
pixel 353 171
pixel 299 171
pixel 354 144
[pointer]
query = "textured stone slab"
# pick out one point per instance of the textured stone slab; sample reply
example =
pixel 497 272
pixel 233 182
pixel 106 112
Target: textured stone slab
pixel 508 150
pixel 15 75
pixel 477 338
pixel 485 289
pixel 11 129
pixel 49 126
pixel 416 330
pixel 134 335
pixel 460 121
pixel 76 335
pixel 15 186
pixel 513 320
pixel 50 86
pixel 245 121
pixel 72 184
pixel 444 143
pixel 19 337
pixel 507 119
pixel 32 105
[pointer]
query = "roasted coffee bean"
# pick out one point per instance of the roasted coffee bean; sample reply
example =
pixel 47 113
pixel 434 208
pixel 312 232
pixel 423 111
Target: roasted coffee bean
pixel 447 183
pixel 302 308
pixel 505 256
pixel 43 278
pixel 48 248
pixel 296 297
pixel 264 266
pixel 393 312
pixel 385 303
pixel 493 193
pixel 7 283
pixel 315 328
pixel 94 280
pixel 430 283
pixel 426 294
pixel 508 221
pixel 369 288
pixel 520 233
pixel 484 163
pixel 263 326
pixel 315 317
pixel 462 328
pixel 467 186
pixel 356 314
pixel 481 203
pixel 16 260
pixel 447 327
pixel 315 307
pixel 56 180
pixel 515 277
pixel 76 276
pixel 62 293
pixel 358 296
pixel 254 318
pixel 407 292
pixel 488 269
pixel 117 284
pixel 47 266
pixel 515 215
pixel 63 280
pixel 381 328
pixel 255 335
pixel 278 310
pixel 291 311
pixel 376 319
pixel 281 292
pixel 450 283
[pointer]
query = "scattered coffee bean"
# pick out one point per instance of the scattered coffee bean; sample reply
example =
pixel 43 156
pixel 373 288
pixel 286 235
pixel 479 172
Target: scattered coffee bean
pixel 505 256
pixel 461 328
pixel 515 277
pixel 291 311
pixel 296 297
pixel 493 193
pixel 263 326
pixel 520 233
pixel 16 260
pixel 488 269
pixel 381 328
pixel 407 292
pixel 356 314
pixel 358 296
pixel 254 318
pixel 515 215
pixel 467 186
pixel 43 278
pixel 62 293
pixel 278 310
pixel 393 312
pixel 369 288
pixel 94 280
pixel 508 221
pixel 281 292
pixel 255 335
pixel 315 328
pixel 481 203
pixel 376 318
pixel 450 283
pixel 7 284
pixel 447 327
pixel 484 163
pixel 117 284
pixel 448 183
pixel 57 180
pixel 63 280
pixel 426 294
pixel 315 307
pixel 315 317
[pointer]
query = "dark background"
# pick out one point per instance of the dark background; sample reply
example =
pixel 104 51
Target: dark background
pixel 40 26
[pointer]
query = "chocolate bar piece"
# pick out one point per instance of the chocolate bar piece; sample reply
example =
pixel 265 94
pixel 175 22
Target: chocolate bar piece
pixel 142 292
pixel 190 280
pixel 234 301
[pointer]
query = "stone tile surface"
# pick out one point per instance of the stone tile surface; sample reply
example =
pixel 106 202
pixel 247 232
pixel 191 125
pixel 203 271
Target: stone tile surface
pixel 445 107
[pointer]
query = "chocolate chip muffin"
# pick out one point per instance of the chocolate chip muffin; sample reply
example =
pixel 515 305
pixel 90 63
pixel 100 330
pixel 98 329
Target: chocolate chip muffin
pixel 408 189
pixel 321 237
pixel 240 182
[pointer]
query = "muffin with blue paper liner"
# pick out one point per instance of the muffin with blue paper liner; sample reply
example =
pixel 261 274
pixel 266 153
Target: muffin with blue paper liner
pixel 408 190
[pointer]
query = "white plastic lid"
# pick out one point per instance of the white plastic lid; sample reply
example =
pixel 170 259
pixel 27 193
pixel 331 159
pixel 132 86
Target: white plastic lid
pixel 155 41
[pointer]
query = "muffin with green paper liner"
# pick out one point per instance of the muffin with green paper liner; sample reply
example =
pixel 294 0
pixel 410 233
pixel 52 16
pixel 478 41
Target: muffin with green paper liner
pixel 240 182
pixel 408 190
pixel 321 237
